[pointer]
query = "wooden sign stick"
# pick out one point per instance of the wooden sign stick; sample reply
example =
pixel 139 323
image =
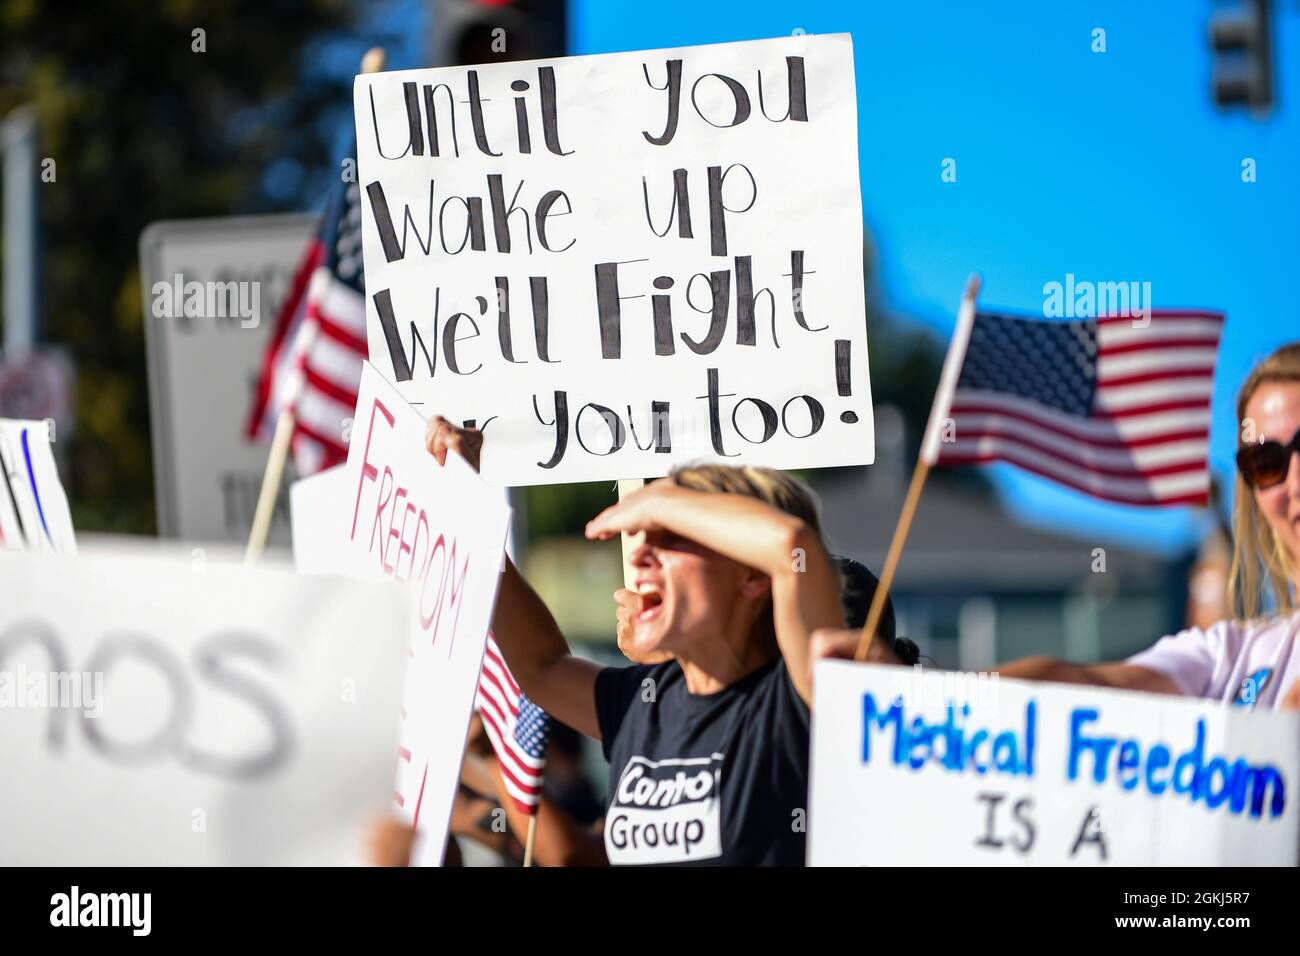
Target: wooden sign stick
pixel 627 486
pixel 372 62
pixel 928 456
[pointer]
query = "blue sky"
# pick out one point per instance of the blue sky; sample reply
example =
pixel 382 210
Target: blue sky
pixel 1113 166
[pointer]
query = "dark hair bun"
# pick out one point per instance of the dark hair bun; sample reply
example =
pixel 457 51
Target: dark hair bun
pixel 858 589
pixel 906 651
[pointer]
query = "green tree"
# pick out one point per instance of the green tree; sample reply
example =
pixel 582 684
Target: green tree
pixel 147 119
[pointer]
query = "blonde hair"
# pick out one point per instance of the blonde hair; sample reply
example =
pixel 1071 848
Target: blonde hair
pixel 777 488
pixel 1261 566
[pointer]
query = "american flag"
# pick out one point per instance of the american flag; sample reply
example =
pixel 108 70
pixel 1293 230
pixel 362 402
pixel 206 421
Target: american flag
pixel 516 726
pixel 320 336
pixel 1112 409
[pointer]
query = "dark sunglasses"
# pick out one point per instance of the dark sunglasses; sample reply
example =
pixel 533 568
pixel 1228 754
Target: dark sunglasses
pixel 1265 464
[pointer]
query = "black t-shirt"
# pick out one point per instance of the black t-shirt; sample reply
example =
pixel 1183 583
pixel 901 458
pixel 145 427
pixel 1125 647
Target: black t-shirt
pixel 716 779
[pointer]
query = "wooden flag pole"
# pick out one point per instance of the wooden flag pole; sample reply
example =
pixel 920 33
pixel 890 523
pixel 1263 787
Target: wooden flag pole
pixel 928 456
pixel 532 837
pixel 919 474
pixel 372 62
pixel 279 454
pixel 271 482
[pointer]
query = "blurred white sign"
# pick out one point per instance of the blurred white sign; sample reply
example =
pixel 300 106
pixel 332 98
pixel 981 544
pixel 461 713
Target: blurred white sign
pixel 317 514
pixel 203 367
pixel 159 712
pixel 935 768
pixel 34 514
pixel 392 512
pixel 617 263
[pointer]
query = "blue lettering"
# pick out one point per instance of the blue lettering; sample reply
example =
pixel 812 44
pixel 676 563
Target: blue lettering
pixel 916 743
pixel 1259 778
pixel 893 716
pixel 952 753
pixel 1157 759
pixel 978 738
pixel 1078 717
pixel 1192 760
pixel 1215 797
pixel 1031 720
pixel 1004 752
pixel 922 737
pixel 1130 758
pixel 1214 782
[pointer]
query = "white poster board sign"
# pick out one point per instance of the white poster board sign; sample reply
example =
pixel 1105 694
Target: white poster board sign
pixel 34 513
pixel 442 531
pixel 621 262
pixel 203 370
pixel 317 518
pixel 157 712
pixel 931 768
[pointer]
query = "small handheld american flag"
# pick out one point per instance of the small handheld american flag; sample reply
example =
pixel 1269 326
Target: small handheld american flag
pixel 517 727
pixel 320 335
pixel 1113 407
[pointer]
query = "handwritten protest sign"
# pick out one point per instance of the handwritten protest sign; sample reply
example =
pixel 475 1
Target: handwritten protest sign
pixel 616 263
pixel 34 514
pixel 391 512
pixel 164 712
pixel 929 768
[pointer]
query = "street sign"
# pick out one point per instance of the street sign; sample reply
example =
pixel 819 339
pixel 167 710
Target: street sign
pixel 212 289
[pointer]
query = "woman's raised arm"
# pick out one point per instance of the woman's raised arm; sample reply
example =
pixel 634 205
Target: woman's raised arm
pixel 1118 674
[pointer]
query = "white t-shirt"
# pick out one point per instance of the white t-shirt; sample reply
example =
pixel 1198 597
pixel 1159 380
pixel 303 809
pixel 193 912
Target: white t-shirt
pixel 1246 663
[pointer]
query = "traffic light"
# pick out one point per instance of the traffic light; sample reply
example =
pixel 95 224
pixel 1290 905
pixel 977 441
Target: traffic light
pixel 1243 68
pixel 465 32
